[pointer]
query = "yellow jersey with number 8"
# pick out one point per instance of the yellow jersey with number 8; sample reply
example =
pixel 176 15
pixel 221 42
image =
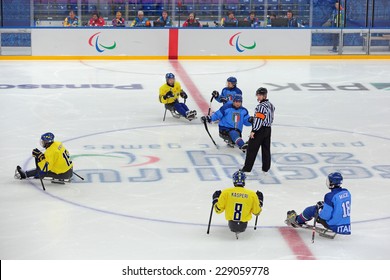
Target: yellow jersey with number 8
pixel 238 203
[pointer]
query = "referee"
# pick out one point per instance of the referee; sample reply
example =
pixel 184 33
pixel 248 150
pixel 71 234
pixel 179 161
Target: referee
pixel 261 133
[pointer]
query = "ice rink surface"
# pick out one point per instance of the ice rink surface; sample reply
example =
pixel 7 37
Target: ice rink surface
pixel 148 183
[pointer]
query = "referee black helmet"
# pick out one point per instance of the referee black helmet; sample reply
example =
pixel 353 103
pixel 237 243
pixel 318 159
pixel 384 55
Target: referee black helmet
pixel 261 91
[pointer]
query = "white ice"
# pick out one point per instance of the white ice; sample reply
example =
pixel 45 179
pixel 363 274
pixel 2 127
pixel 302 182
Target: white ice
pixel 158 203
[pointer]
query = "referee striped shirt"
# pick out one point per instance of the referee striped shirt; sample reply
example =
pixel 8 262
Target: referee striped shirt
pixel 264 115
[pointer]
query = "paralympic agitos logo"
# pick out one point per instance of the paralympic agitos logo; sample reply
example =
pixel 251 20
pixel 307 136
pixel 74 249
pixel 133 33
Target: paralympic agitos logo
pixel 94 41
pixel 240 47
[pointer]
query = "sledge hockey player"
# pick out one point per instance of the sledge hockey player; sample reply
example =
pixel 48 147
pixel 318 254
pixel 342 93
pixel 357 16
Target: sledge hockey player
pixel 238 203
pixel 54 162
pixel 228 92
pixel 232 117
pixel 333 213
pixel 169 95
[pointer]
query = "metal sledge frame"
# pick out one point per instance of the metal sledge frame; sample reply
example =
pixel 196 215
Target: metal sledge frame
pixel 323 232
pixel 171 108
pixel 62 181
pixel 227 139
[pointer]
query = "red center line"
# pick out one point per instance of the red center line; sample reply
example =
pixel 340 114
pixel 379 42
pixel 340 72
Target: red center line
pixel 296 244
pixel 190 85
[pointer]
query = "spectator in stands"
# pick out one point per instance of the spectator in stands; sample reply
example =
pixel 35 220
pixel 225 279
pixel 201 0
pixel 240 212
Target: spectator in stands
pixel 140 20
pixel 270 18
pixel 96 20
pixel 118 21
pixel 252 19
pixel 292 22
pixel 165 19
pixel 230 20
pixel 71 20
pixel 192 21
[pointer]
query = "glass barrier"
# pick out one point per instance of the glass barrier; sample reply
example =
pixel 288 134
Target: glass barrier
pixel 208 12
pixel 308 13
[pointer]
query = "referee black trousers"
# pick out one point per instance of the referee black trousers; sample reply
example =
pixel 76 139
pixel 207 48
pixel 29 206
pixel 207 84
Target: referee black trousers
pixel 262 138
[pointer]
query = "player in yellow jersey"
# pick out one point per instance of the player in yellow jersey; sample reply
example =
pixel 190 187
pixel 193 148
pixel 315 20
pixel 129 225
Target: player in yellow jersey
pixel 54 162
pixel 169 95
pixel 238 203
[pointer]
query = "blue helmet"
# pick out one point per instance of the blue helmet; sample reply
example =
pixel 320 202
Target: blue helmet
pixel 47 138
pixel 169 76
pixel 239 178
pixel 334 179
pixel 232 80
pixel 237 97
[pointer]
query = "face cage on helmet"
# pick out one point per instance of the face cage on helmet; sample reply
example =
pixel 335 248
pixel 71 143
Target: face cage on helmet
pixel 42 143
pixel 329 185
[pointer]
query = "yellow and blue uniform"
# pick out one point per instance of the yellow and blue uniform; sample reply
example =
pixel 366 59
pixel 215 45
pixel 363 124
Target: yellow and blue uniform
pixel 176 90
pixel 165 88
pixel 238 203
pixel 56 159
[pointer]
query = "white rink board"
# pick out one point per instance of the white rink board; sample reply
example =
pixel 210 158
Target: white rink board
pixel 82 42
pixel 222 42
pixel 156 42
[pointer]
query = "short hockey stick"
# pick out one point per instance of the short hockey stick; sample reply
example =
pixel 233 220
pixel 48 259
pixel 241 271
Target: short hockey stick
pixel 314 226
pixel 40 176
pixel 207 130
pixel 211 100
pixel 78 175
pixel 257 217
pixel 211 215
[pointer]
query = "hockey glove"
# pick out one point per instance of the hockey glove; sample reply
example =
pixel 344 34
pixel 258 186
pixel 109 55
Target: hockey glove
pixel 216 195
pixel 215 94
pixel 320 205
pixel 261 197
pixel 38 155
pixel 183 94
pixel 223 100
pixel 206 119
pixel 169 94
pixel 250 120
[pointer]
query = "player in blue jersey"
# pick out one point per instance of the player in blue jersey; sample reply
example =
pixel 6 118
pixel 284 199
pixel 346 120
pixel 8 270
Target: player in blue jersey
pixel 228 92
pixel 333 213
pixel 232 117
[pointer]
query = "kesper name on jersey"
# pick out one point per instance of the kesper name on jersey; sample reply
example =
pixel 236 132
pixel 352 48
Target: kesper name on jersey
pixel 242 195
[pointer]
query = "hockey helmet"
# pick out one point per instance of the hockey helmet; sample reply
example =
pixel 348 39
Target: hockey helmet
pixel 334 179
pixel 232 80
pixel 169 76
pixel 261 91
pixel 237 98
pixel 239 178
pixel 47 138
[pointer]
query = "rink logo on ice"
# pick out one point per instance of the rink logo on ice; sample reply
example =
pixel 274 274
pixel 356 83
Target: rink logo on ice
pixel 383 86
pixel 94 41
pixel 131 160
pixel 234 41
pixel 122 163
